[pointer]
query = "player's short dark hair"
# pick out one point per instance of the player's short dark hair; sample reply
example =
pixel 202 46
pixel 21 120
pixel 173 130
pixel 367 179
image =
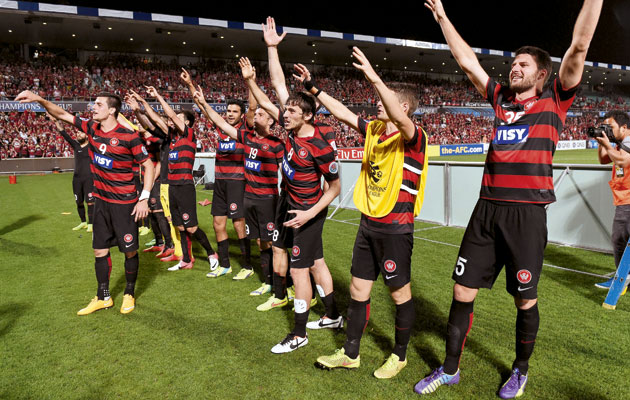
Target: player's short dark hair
pixel 189 116
pixel 305 101
pixel 542 58
pixel 405 94
pixel 620 117
pixel 237 102
pixel 113 100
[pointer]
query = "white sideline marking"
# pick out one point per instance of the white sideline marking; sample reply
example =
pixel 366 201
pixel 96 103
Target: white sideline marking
pixel 429 228
pixel 454 245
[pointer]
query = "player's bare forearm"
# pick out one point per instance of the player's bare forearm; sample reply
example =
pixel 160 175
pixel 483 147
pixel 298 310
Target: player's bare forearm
pixel 153 116
pixel 144 120
pixel 53 109
pixel 149 175
pixel 219 121
pixel 394 111
pixel 278 81
pixel 262 99
pixel 337 109
pixel 572 65
pixel 251 110
pixel 302 217
pixel 170 113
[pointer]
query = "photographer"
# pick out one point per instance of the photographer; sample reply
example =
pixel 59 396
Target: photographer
pixel 617 123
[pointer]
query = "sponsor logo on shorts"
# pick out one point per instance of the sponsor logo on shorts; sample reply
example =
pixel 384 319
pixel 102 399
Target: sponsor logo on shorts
pixel 295 251
pixel 270 226
pixel 90 194
pixel 524 276
pixel 103 161
pixel 303 153
pixel 185 216
pixel 390 266
pixel 265 147
pixel 173 155
pixel 113 142
pixel 227 146
pixel 128 238
pixel 252 165
pixel 511 134
pixel 333 167
pixel 233 206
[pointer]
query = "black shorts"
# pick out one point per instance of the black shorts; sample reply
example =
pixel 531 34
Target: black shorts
pixel 183 204
pixel 305 243
pixel 82 186
pixel 114 225
pixel 154 198
pixel 498 235
pixel 260 221
pixel 227 199
pixel 386 253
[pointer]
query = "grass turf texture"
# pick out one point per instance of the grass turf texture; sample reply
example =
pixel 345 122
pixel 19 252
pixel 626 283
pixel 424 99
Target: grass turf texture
pixel 195 337
pixel 587 156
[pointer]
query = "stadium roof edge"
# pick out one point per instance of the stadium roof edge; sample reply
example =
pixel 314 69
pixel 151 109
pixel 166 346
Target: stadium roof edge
pixel 156 17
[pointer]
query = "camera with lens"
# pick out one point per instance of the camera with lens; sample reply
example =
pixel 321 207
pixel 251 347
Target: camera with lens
pixel 600 131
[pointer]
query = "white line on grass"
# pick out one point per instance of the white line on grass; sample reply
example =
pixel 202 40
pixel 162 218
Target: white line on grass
pixel 429 228
pixel 454 245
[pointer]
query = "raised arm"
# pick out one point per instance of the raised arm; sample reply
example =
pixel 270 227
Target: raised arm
pixel 179 124
pixel 213 115
pixel 185 77
pixel 249 75
pixel 135 107
pixel 336 108
pixel 572 65
pixel 397 115
pixel 464 55
pixel 57 112
pixel 272 39
pixel 251 110
pixel 153 116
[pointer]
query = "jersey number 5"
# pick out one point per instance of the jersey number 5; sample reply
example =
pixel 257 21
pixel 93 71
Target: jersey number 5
pixel 461 266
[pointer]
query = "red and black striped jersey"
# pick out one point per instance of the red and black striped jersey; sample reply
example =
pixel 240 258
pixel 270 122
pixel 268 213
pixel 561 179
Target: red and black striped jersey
pixel 153 144
pixel 263 155
pixel 114 154
pixel 181 158
pixel 304 162
pixel 229 157
pixel 400 219
pixel 519 161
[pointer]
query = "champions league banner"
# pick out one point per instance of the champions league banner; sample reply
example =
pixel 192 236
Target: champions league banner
pixel 82 106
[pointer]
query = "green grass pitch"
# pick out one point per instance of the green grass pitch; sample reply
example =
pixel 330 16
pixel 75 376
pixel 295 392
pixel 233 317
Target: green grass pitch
pixel 191 337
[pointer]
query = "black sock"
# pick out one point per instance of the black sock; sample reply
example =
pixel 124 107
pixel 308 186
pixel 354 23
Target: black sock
pixel 358 317
pixel 300 323
pixel 405 317
pixel 103 267
pixel 279 286
pixel 246 250
pixel 81 211
pixel 526 329
pixel 313 286
pixel 224 253
pixel 289 278
pixel 90 213
pixel 183 235
pixel 331 305
pixel 131 273
pixel 165 229
pixel 266 260
pixel 201 237
pixel 157 232
pixel 460 320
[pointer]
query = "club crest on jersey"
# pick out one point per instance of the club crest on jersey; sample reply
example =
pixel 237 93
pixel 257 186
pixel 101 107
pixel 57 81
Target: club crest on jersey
pixel 270 226
pixel 524 276
pixel 173 155
pixel 185 217
pixel 511 134
pixel 233 206
pixel 153 200
pixel 390 266
pixel 113 141
pixel 128 238
pixel 288 171
pixel 103 161
pixel 227 146
pixel 252 165
pixel 334 167
pixel 303 153
pixel 295 251
pixel 265 147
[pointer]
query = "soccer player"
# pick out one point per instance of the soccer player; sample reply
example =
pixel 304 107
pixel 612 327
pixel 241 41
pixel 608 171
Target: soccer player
pixel 117 208
pixel 301 213
pixel 82 181
pixel 181 189
pixel 508 224
pixel 263 154
pixel 321 279
pixel 229 184
pixel 389 193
